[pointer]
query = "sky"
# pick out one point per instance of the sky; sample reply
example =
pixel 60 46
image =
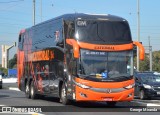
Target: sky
pixel 18 14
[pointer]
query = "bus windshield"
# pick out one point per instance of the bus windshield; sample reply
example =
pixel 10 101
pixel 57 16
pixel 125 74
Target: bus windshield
pixel 103 31
pixel 105 65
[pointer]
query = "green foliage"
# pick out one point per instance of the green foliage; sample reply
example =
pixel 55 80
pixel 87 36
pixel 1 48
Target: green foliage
pixel 144 65
pixel 156 61
pixel 3 70
pixel 13 62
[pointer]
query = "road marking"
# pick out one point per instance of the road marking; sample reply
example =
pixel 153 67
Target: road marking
pixel 15 89
pixel 150 104
pixel 147 104
pixel 2 105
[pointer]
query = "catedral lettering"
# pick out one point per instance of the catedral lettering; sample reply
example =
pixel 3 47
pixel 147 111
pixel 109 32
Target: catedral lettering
pixel 103 47
pixel 91 59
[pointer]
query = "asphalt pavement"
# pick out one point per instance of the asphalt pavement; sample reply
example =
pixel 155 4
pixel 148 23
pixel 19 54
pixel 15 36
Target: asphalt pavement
pixel 10 96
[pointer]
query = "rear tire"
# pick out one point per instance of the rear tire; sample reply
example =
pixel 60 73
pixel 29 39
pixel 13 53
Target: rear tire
pixel 28 90
pixel 33 91
pixel 63 96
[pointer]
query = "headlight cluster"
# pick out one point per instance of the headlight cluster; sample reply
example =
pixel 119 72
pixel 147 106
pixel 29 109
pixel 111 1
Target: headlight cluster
pixel 147 86
pixel 130 86
pixel 82 85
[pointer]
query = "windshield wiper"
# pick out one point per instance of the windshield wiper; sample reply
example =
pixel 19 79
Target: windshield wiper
pixel 86 76
pixel 98 33
pixel 120 77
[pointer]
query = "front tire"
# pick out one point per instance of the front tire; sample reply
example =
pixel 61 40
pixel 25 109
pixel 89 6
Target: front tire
pixel 63 96
pixel 27 90
pixel 141 95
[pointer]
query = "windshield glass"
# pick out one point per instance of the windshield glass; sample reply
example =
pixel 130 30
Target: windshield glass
pixel 105 65
pixel 103 31
pixel 150 78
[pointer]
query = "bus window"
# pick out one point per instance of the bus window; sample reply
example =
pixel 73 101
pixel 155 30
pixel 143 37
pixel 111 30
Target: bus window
pixel 69 29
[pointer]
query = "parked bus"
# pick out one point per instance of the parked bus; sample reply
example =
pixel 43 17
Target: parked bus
pixel 72 56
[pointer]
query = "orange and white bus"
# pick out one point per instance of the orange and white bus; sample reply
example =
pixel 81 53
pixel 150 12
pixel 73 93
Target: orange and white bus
pixel 80 57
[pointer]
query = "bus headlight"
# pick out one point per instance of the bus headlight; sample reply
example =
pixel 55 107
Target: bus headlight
pixel 130 86
pixel 82 85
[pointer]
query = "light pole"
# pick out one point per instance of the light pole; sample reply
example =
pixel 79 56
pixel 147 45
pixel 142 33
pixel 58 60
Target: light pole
pixel 41 10
pixel 138 32
pixel 150 54
pixel 34 11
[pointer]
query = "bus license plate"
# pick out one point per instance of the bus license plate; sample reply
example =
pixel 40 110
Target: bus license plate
pixel 158 93
pixel 107 99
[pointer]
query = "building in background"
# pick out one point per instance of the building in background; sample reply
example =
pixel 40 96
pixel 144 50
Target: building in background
pixel 5 54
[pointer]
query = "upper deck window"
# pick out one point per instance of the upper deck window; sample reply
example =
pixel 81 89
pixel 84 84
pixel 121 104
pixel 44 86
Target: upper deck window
pixel 103 31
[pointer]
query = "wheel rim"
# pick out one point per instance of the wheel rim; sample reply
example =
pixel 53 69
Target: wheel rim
pixel 141 95
pixel 63 93
pixel 27 89
pixel 32 91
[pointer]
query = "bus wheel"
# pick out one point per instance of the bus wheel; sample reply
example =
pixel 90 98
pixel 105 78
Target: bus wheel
pixel 64 99
pixel 33 91
pixel 111 103
pixel 27 90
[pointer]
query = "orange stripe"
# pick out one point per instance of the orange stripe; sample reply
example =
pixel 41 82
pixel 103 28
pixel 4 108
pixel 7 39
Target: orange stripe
pixel 74 43
pixel 106 47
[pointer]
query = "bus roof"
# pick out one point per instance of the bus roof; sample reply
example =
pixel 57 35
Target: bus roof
pixel 74 16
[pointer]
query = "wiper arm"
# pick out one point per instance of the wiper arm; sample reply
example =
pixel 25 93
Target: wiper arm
pixel 98 34
pixel 126 77
pixel 86 76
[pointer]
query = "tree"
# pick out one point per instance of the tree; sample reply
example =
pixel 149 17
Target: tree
pixel 143 65
pixel 156 61
pixel 13 62
pixel 3 70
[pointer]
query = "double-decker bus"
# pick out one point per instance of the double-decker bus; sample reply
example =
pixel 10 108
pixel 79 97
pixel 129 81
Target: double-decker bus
pixel 80 57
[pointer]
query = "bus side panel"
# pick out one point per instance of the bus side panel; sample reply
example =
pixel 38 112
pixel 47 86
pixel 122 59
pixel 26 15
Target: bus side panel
pixel 20 67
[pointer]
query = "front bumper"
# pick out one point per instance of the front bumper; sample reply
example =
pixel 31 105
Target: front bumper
pixel 89 95
pixel 152 93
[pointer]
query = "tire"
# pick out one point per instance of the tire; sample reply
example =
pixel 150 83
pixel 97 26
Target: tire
pixel 1 87
pixel 28 90
pixel 63 96
pixel 111 103
pixel 33 91
pixel 141 95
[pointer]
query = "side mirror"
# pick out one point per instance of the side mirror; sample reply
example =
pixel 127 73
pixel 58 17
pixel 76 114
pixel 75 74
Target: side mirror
pixel 75 45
